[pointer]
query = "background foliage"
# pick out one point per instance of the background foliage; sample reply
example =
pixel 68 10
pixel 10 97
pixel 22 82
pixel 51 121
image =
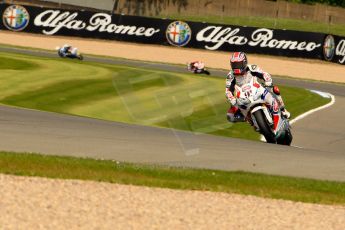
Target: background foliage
pixel 328 2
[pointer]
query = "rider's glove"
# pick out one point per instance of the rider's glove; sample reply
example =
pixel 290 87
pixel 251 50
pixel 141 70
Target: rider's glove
pixel 233 101
pixel 268 84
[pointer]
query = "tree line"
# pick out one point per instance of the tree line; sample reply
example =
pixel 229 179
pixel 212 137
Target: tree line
pixel 328 2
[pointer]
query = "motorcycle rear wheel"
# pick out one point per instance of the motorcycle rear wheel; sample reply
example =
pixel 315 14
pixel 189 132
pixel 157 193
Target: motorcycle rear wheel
pixel 264 127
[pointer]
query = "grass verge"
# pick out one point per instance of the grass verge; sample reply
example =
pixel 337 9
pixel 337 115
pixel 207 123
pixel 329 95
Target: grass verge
pixel 277 187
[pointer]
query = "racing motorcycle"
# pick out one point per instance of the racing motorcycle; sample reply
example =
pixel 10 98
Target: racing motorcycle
pixel 250 101
pixel 74 54
pixel 198 70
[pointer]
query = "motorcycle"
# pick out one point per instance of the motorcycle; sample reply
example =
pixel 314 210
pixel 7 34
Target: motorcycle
pixel 198 70
pixel 74 54
pixel 250 101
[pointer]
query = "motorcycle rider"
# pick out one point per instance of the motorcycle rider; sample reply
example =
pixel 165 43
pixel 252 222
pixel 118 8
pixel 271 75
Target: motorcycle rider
pixel 66 50
pixel 69 51
pixel 239 75
pixel 196 66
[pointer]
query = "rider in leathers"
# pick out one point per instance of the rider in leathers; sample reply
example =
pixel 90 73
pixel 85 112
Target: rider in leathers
pixel 196 66
pixel 239 75
pixel 69 51
pixel 66 50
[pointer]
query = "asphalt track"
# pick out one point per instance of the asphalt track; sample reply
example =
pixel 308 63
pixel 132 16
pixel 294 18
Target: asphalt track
pixel 320 137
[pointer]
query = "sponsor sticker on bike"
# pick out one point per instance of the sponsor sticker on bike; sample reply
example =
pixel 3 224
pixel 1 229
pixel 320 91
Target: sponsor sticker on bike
pixel 275 106
pixel 16 18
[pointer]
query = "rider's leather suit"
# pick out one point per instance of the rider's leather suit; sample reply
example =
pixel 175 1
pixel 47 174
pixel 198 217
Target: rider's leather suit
pixel 66 50
pixel 196 66
pixel 234 113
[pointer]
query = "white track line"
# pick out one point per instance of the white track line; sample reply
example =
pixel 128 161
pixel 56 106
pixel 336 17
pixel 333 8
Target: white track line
pixel 303 115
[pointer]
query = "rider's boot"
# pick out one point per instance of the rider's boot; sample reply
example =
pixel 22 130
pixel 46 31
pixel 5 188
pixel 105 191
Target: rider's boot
pixel 235 115
pixel 239 116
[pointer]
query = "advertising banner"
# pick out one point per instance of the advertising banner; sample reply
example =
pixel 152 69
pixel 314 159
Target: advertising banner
pixel 169 32
pixel 80 23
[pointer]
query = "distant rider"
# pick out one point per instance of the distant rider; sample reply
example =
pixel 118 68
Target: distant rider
pixel 196 66
pixel 66 50
pixel 239 75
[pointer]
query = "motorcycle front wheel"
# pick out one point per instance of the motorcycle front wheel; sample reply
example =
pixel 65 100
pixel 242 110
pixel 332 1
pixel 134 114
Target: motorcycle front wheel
pixel 264 127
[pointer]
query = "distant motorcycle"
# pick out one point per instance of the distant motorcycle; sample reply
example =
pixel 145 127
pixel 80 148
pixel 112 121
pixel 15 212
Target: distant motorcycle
pixel 254 109
pixel 74 53
pixel 197 68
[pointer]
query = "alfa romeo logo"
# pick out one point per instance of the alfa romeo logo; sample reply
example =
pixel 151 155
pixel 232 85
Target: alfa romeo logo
pixel 329 48
pixel 15 18
pixel 178 33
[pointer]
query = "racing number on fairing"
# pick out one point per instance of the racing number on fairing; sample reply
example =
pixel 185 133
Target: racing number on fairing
pixel 248 93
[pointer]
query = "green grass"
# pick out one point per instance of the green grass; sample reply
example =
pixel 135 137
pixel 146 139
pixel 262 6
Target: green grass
pixel 15 64
pixel 280 23
pixel 278 187
pixel 132 95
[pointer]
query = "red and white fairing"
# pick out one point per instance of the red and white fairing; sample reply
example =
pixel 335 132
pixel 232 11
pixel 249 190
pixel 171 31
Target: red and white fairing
pixel 251 96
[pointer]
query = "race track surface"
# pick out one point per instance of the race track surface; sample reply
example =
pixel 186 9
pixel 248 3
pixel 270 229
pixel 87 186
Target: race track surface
pixel 320 138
